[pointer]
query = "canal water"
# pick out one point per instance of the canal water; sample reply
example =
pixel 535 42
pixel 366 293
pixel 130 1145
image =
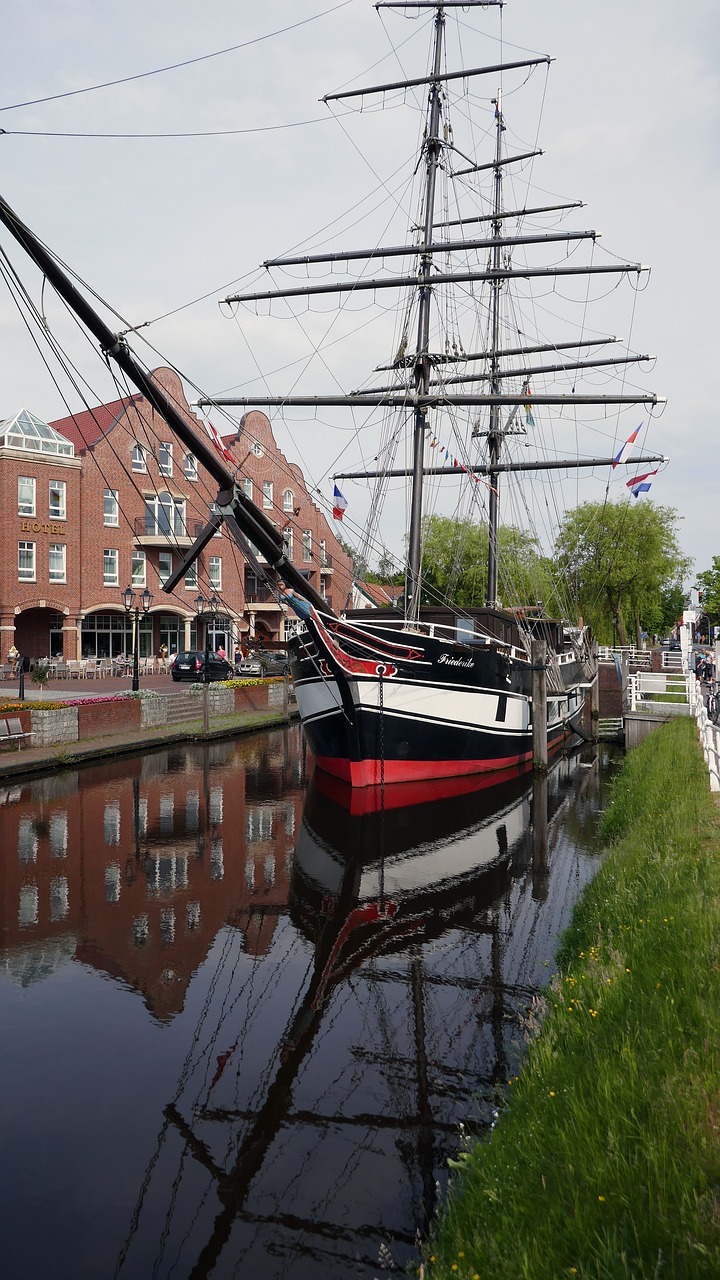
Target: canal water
pixel 244 1013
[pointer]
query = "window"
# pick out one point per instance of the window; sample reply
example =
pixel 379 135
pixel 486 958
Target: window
pixel 138 458
pixel 215 511
pixel 59 898
pixel 257 449
pixel 215 572
pixel 165 458
pixel 288 500
pixel 58 502
pixel 307 545
pixel 111 507
pixel 112 882
pixel 164 515
pixel 323 552
pixel 111 823
pixel 138 572
pixel 190 467
pixel 58 835
pixel 27 841
pixel 191 578
pixel 267 493
pixel 26 561
pixel 57 562
pixel 288 540
pixel 26 496
pixel 246 486
pixel 164 567
pixel 110 567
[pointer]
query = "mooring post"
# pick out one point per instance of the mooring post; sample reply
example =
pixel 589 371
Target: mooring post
pixel 624 674
pixel 538 657
pixel 540 838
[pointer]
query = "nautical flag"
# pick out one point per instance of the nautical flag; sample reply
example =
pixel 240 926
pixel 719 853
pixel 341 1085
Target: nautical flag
pixel 640 484
pixel 630 440
pixel 217 441
pixel 530 421
pixel 339 504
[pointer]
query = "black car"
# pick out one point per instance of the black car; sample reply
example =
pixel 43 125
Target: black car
pixel 190 665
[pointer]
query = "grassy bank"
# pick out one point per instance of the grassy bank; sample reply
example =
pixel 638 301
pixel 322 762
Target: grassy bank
pixel 606 1162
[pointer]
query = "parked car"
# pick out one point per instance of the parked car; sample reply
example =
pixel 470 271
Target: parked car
pixel 190 665
pixel 248 667
pixel 274 664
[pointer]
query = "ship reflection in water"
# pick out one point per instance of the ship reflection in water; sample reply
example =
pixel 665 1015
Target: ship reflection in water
pixel 331 982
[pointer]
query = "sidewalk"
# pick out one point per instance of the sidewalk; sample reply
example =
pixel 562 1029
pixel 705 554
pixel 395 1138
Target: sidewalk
pixel 28 761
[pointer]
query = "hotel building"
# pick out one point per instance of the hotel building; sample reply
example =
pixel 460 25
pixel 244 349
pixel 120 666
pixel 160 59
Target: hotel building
pixel 107 499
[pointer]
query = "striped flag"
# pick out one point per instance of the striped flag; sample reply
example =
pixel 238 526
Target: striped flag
pixel 630 440
pixel 641 484
pixel 217 441
pixel 339 504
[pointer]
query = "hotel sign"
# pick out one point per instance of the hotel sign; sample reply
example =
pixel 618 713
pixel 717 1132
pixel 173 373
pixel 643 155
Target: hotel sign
pixel 42 526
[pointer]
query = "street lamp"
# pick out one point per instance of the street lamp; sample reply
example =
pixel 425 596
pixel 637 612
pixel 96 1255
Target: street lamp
pixel 128 599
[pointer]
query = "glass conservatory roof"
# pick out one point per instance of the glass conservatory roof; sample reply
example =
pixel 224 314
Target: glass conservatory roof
pixel 25 431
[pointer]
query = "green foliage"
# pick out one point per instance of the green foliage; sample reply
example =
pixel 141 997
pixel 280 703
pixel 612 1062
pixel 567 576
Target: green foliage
pixel 606 1161
pixel 359 564
pixel 455 561
pixel 624 564
pixel 709 583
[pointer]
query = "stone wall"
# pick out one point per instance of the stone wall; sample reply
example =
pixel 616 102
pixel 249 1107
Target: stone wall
pixel 50 728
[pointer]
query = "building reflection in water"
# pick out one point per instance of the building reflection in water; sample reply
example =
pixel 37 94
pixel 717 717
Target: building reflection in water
pixel 344 974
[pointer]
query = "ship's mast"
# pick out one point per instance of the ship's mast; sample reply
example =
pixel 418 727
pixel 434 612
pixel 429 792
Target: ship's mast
pixel 494 434
pixel 423 367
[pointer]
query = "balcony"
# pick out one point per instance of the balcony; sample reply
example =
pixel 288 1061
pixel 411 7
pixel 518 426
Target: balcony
pixel 326 564
pixel 147 533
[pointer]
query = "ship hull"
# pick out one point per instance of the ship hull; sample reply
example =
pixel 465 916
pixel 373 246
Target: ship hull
pixel 407 708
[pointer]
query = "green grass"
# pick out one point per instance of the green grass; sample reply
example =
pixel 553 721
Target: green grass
pixel 606 1161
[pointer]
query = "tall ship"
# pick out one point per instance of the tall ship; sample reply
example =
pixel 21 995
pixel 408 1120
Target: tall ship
pixel 464 386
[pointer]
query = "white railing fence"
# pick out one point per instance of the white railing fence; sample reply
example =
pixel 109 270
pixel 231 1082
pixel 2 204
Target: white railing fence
pixel 709 733
pixel 660 692
pixel 638 657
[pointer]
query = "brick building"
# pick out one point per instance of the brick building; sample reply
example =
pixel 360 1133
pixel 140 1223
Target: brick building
pixel 134 868
pixel 109 498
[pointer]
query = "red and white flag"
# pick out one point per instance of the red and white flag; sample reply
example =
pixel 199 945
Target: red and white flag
pixel 217 441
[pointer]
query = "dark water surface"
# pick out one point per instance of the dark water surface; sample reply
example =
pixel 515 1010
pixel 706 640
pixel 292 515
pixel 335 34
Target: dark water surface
pixel 243 1017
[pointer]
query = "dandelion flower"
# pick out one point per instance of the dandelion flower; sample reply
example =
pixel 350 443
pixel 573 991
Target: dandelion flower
pixel 601 1199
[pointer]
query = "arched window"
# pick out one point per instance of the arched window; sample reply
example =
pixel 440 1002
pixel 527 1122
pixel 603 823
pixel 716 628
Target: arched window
pixel 288 500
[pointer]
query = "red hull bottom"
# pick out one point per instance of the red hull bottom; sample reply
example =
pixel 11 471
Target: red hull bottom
pixel 370 773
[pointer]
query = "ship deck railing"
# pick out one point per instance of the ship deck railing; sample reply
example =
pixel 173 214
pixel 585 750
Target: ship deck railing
pixel 437 630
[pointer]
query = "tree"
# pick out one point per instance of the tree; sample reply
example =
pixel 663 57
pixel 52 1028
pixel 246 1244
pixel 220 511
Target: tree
pixel 624 563
pixel 359 564
pixel 455 559
pixel 709 583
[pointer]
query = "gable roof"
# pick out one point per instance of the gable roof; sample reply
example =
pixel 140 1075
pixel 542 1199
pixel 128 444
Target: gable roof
pixel 86 428
pixel 382 594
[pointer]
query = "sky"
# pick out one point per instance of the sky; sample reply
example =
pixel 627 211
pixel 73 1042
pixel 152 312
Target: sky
pixel 163 226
